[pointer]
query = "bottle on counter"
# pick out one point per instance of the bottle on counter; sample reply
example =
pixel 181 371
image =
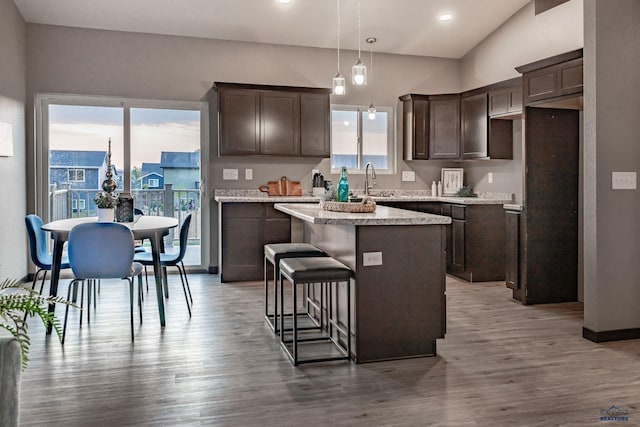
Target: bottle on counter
pixel 434 191
pixel 343 186
pixel 439 188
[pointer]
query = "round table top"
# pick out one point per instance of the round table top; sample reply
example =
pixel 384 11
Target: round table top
pixel 141 224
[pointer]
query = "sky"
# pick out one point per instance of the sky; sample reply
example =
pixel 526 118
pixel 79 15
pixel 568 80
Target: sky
pixel 152 131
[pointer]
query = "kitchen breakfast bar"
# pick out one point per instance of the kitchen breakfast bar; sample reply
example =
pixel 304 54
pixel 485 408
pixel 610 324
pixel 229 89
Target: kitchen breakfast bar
pixel 398 287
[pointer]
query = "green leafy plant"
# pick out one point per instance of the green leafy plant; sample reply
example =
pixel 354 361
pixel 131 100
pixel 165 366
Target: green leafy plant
pixel 466 191
pixel 15 300
pixel 105 200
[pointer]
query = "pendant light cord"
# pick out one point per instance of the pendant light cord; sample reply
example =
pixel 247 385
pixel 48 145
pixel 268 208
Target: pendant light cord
pixel 359 29
pixel 371 67
pixel 338 2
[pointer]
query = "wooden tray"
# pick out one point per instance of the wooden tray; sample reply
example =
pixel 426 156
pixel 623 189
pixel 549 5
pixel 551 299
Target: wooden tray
pixel 366 206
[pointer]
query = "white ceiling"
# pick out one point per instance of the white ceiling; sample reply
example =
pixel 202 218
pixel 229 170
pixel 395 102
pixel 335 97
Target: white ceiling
pixel 408 27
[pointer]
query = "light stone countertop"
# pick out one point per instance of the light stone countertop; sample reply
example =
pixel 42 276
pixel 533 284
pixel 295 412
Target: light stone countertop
pixel 513 207
pixel 314 214
pixel 256 196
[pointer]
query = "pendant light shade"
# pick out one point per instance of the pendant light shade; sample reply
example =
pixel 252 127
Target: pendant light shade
pixel 359 71
pixel 371 112
pixel 339 84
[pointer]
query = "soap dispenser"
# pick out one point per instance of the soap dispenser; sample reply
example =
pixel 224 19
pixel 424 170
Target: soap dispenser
pixel 434 190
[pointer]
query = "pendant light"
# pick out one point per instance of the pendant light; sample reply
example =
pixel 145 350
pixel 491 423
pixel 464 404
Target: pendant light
pixel 359 71
pixel 371 111
pixel 339 84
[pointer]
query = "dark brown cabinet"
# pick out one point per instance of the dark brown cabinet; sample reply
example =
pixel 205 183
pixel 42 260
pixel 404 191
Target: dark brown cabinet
pixel 415 125
pixel 475 126
pixel 444 127
pixel 553 78
pixel 239 121
pixel 315 125
pixel 273 120
pixel 512 252
pixel 279 123
pixel 246 228
pixel 506 102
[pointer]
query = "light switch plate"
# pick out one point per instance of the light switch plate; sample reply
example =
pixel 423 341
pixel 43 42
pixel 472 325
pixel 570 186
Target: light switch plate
pixel 248 174
pixel 490 177
pixel 229 174
pixel 623 180
pixel 408 176
pixel 371 259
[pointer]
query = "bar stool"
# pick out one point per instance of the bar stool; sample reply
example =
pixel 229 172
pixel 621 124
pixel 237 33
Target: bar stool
pixel 327 271
pixel 273 253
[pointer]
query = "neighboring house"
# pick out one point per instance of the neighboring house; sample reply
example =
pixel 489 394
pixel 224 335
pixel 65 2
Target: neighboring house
pixel 181 169
pixel 151 177
pixel 78 170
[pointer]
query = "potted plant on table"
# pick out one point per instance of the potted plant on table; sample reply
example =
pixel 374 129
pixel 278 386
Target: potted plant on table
pixel 17 302
pixel 106 203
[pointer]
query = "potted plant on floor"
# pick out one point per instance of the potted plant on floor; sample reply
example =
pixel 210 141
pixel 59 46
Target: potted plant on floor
pixel 106 203
pixel 17 302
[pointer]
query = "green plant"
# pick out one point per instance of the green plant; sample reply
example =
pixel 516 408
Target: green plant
pixel 16 300
pixel 466 191
pixel 105 200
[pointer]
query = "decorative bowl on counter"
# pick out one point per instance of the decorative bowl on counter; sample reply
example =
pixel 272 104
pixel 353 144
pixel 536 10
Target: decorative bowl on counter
pixel 367 205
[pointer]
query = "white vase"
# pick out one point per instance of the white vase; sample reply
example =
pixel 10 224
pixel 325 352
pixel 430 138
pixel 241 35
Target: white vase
pixel 106 214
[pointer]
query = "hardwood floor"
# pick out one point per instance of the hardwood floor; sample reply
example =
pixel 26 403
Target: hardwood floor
pixel 501 364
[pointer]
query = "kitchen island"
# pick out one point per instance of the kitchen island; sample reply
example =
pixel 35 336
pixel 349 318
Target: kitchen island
pixel 398 260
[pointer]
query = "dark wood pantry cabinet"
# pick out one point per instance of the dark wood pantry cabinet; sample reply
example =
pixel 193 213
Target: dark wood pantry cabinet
pixel 272 120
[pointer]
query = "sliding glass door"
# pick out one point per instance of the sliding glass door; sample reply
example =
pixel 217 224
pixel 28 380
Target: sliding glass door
pixel 155 156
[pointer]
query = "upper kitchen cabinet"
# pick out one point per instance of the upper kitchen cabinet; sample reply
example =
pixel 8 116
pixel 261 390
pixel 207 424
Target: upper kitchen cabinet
pixel 475 126
pixel 506 102
pixel 273 120
pixel 444 127
pixel 554 81
pixel 415 125
pixel 431 126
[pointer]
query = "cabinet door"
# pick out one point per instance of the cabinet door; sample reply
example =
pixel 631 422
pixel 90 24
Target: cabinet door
pixel 458 255
pixel 243 239
pixel 475 131
pixel 315 125
pixel 512 250
pixel 280 123
pixel 505 101
pixel 444 128
pixel 239 122
pixel 540 84
pixel 570 77
pixel 415 123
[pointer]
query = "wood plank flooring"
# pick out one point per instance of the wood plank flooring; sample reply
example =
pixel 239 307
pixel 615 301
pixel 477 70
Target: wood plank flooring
pixel 501 364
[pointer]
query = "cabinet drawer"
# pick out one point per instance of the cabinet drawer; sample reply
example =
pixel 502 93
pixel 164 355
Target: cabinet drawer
pixel 243 210
pixel 458 212
pixel 445 209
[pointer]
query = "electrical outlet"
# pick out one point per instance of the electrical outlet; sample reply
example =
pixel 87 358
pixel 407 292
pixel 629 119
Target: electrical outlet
pixel 371 259
pixel 490 177
pixel 229 174
pixel 248 174
pixel 623 180
pixel 408 176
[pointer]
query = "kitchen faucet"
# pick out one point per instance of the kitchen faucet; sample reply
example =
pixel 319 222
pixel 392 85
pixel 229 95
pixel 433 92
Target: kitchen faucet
pixel 366 177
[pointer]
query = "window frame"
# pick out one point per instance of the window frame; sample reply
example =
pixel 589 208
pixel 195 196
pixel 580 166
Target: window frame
pixel 40 174
pixel 391 137
pixel 76 170
pixel 156 181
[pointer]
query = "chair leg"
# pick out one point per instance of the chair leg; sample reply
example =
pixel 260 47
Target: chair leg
pixel 131 305
pixel 33 286
pixel 44 276
pixel 66 312
pixel 140 298
pixel 89 281
pixel 81 301
pixel 187 282
pixel 184 289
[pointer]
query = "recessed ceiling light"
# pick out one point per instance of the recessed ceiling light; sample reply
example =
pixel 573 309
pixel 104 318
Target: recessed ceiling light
pixel 283 1
pixel 446 17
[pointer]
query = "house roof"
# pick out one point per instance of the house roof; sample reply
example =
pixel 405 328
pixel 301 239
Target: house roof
pixel 149 168
pixel 173 159
pixel 76 158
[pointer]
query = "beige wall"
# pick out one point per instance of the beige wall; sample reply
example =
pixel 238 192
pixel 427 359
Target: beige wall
pixel 13 69
pixel 612 135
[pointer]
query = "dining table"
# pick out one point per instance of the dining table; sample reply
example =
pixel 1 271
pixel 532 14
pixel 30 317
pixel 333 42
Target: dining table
pixel 143 227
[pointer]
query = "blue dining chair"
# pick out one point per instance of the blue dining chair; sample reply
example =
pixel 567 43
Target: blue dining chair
pixel 103 250
pixel 38 250
pixel 172 260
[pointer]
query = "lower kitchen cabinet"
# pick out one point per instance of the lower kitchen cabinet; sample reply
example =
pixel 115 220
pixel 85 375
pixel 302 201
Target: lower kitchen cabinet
pixel 512 253
pixel 245 229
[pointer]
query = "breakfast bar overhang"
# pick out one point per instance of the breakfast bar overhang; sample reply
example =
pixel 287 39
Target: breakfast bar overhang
pixel 399 264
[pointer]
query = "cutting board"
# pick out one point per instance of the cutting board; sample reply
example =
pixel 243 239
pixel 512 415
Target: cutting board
pixel 282 187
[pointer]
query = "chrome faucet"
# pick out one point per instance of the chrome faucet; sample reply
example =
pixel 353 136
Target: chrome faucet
pixel 366 178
